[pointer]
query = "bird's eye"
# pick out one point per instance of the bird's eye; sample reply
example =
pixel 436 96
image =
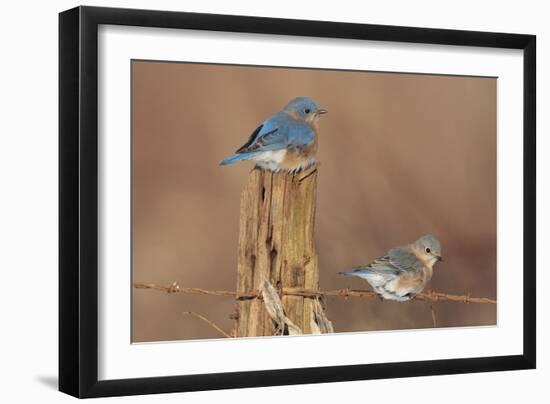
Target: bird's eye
pixel 307 110
pixel 428 250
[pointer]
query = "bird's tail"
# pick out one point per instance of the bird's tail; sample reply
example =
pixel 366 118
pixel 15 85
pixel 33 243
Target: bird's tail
pixel 347 273
pixel 234 158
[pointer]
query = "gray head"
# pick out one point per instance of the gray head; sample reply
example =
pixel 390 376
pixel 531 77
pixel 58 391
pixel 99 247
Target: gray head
pixel 304 107
pixel 429 246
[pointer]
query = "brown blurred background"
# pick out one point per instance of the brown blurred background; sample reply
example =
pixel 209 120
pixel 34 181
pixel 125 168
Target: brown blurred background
pixel 401 155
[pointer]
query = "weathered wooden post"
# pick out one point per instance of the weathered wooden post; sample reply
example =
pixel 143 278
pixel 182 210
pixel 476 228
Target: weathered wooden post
pixel 276 244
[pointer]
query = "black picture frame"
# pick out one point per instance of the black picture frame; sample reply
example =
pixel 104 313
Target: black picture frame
pixel 78 201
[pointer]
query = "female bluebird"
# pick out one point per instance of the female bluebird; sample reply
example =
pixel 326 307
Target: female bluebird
pixel 286 141
pixel 404 271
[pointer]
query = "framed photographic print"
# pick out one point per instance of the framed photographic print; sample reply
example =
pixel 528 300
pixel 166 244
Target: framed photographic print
pixel 268 201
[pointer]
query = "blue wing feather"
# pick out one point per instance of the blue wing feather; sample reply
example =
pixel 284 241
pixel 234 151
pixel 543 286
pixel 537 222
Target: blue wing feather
pixel 276 133
pixel 395 262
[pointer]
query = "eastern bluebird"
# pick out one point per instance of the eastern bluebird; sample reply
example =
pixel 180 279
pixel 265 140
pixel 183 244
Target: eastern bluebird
pixel 404 271
pixel 286 141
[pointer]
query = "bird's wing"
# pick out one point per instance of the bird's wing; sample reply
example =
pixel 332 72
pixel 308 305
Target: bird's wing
pixel 277 133
pixel 258 139
pixel 395 262
pixel 380 266
pixel 403 258
pixel 270 135
pixel 380 271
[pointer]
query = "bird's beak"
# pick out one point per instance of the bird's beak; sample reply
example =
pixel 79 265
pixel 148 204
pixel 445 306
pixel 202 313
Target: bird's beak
pixel 439 258
pixel 321 111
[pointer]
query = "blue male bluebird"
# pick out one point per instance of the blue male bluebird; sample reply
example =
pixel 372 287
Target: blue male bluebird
pixel 286 141
pixel 404 271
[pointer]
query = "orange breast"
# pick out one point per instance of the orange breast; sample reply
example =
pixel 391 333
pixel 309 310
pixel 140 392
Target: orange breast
pixel 412 282
pixel 300 157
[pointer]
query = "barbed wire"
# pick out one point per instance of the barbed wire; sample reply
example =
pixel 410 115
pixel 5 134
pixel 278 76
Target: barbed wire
pixel 430 296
